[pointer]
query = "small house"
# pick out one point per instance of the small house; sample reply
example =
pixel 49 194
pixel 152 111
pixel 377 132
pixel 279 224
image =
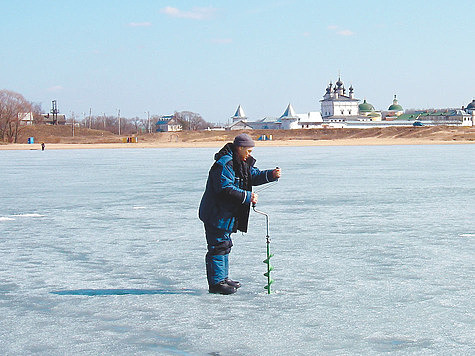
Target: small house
pixel 168 123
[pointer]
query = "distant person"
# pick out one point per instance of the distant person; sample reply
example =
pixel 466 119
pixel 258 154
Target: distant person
pixel 225 206
pixel 43 146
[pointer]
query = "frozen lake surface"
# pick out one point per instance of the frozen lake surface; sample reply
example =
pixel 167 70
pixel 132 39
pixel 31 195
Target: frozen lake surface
pixel 103 254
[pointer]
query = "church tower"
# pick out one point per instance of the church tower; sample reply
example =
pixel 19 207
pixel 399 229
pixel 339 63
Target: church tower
pixel 239 115
pixel 337 103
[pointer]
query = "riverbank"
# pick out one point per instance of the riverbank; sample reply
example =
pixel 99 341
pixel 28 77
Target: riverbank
pixel 342 142
pixel 61 138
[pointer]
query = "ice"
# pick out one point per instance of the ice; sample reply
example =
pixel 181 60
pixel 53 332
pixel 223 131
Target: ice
pixel 31 215
pixel 102 253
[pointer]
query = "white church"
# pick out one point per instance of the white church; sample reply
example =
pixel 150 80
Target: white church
pixel 340 108
pixel 336 107
pixel 337 104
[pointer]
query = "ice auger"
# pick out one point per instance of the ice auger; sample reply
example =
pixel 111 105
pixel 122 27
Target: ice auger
pixel 269 255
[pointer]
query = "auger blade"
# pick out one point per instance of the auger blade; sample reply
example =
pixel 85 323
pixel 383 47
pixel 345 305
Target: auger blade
pixel 268 285
pixel 267 274
pixel 268 259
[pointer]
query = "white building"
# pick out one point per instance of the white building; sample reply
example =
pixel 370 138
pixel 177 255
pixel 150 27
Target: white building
pixel 240 125
pixel 289 120
pixel 469 120
pixel 339 109
pixel 26 118
pixel 470 107
pixel 239 115
pixel 337 105
pixel 239 120
pixel 367 112
pixel 394 111
pixel 168 123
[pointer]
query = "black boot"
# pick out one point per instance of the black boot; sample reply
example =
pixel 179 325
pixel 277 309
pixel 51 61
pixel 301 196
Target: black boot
pixel 222 288
pixel 232 283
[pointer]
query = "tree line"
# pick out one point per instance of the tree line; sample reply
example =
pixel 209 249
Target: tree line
pixel 14 107
pixel 187 119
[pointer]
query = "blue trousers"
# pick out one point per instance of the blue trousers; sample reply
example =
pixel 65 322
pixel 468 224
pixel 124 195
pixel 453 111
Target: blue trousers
pixel 217 258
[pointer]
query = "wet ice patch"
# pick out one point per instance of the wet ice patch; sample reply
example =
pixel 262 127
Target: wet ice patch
pixel 125 291
pixel 467 235
pixel 138 207
pixel 7 287
pixel 388 343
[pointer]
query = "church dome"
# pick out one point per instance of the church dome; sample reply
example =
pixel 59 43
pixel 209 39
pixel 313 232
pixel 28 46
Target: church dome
pixel 395 106
pixel 471 106
pixel 365 107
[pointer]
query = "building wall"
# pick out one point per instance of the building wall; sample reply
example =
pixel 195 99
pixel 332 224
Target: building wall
pixel 290 123
pixel 327 108
pixel 26 118
pixel 339 108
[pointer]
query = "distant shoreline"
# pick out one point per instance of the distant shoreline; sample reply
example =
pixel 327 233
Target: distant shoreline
pixel 59 137
pixel 217 144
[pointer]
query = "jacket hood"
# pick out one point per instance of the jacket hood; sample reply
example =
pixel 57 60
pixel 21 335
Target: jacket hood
pixel 227 149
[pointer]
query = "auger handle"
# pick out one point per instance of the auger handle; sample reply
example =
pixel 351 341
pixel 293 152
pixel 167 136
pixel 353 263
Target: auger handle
pixel 267 219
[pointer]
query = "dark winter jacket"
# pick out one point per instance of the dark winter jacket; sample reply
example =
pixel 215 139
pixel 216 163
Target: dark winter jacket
pixel 226 201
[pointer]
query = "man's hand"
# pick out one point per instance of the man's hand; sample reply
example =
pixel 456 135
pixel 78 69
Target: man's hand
pixel 253 198
pixel 277 172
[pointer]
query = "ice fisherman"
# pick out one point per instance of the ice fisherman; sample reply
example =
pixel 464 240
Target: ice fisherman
pixel 225 206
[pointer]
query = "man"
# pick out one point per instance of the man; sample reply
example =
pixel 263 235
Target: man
pixel 225 206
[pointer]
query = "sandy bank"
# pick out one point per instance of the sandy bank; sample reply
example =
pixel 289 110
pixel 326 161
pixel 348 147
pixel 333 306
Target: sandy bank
pixel 217 144
pixel 59 137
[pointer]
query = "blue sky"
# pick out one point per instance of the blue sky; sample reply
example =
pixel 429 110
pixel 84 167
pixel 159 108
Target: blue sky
pixel 210 56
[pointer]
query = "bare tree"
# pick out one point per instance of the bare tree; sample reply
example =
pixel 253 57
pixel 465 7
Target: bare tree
pixel 37 110
pixel 108 123
pixel 191 121
pixel 12 107
pixel 139 124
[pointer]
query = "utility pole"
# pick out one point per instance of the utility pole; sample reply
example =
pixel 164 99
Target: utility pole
pixel 118 115
pixel 104 120
pixel 72 123
pixel 148 118
pixel 90 118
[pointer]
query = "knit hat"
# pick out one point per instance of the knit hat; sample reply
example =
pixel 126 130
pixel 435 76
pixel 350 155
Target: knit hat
pixel 244 140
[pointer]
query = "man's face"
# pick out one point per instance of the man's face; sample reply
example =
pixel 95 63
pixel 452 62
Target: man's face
pixel 244 152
